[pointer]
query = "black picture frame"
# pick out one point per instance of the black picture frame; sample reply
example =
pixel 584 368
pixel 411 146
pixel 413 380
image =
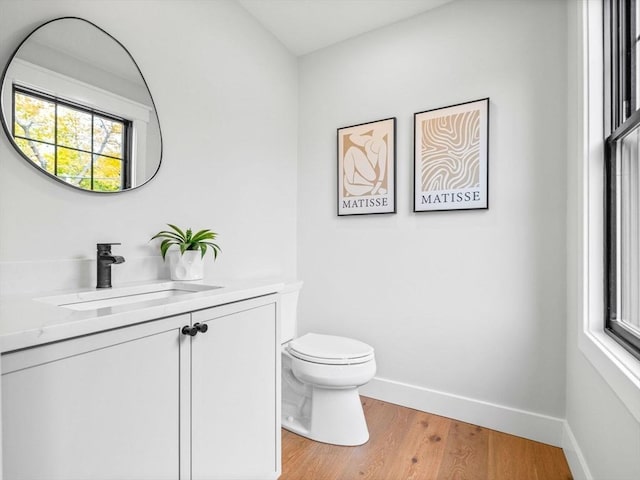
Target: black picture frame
pixel 366 161
pixel 451 157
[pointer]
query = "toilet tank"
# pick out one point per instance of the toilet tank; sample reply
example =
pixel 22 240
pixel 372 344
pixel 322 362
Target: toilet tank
pixel 289 311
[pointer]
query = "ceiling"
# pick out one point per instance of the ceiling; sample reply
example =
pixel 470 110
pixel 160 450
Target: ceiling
pixel 304 26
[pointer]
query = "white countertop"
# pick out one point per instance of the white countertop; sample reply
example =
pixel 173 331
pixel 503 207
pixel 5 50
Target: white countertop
pixel 27 322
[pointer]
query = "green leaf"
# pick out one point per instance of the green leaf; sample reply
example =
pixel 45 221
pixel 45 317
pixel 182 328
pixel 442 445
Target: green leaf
pixel 164 246
pixel 165 234
pixel 180 232
pixel 215 248
pixel 204 235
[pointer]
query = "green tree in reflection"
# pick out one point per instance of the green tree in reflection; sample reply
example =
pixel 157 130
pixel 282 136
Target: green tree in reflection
pixel 70 143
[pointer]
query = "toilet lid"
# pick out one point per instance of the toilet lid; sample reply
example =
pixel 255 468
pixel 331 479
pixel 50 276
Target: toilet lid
pixel 330 349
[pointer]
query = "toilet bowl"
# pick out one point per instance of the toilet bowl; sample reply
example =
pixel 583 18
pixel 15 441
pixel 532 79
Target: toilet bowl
pixel 320 379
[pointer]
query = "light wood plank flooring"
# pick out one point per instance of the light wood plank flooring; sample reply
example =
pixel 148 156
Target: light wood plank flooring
pixel 407 444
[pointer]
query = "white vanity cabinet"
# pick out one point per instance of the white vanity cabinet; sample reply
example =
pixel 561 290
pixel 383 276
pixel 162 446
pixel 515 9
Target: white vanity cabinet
pixel 148 402
pixel 235 392
pixel 103 406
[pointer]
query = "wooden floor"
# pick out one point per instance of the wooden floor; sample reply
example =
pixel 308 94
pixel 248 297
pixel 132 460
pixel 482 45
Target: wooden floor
pixel 407 444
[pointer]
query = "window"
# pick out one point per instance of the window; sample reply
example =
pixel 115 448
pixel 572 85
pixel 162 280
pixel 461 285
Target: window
pixel 622 173
pixel 77 144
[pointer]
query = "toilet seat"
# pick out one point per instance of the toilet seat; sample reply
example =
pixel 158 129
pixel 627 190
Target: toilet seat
pixel 330 349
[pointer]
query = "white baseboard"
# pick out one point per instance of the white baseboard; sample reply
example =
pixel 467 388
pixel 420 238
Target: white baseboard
pixel 534 426
pixel 572 452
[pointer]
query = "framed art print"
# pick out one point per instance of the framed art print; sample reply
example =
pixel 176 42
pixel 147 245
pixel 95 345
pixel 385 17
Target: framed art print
pixel 366 168
pixel 451 164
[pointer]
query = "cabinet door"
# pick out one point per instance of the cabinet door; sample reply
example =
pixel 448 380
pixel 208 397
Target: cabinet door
pixel 104 406
pixel 235 392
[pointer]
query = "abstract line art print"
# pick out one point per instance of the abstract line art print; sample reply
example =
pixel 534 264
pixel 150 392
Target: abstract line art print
pixel 366 168
pixel 451 157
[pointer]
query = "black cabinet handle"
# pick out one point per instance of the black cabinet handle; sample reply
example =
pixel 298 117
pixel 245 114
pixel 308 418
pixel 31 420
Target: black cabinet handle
pixel 193 331
pixel 187 330
pixel 202 327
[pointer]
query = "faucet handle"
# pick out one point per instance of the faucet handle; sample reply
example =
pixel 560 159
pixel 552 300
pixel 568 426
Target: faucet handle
pixel 105 247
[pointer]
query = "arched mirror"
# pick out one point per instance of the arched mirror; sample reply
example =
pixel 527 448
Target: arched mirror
pixel 76 107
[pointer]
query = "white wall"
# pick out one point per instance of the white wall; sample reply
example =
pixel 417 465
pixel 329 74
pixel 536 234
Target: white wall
pixel 457 304
pixel 226 93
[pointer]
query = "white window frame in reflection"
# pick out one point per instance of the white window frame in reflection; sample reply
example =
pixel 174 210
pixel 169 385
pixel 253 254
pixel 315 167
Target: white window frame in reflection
pixel 47 81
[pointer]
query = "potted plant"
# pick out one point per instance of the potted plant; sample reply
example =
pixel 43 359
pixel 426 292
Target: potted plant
pixel 186 262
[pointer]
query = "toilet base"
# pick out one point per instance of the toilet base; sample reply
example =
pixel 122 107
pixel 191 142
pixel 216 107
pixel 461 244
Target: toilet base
pixel 333 416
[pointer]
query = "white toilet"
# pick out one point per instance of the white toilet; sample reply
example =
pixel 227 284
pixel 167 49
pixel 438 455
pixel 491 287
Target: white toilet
pixel 320 379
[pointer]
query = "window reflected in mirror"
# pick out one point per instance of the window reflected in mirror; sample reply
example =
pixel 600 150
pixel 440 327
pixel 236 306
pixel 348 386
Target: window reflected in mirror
pixel 79 146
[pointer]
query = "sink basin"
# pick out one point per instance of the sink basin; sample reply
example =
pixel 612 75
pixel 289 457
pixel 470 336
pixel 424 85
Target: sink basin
pixel 94 299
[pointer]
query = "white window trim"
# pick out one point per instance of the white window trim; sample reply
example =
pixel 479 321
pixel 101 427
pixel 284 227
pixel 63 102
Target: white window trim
pixel 27 74
pixel 58 85
pixel 619 368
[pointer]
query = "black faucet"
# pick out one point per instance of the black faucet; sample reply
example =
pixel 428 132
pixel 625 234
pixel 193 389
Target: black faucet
pixel 104 261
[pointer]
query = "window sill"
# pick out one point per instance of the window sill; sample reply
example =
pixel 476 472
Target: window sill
pixel 619 369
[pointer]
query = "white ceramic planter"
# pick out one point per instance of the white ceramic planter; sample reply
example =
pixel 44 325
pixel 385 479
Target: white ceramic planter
pixel 188 266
